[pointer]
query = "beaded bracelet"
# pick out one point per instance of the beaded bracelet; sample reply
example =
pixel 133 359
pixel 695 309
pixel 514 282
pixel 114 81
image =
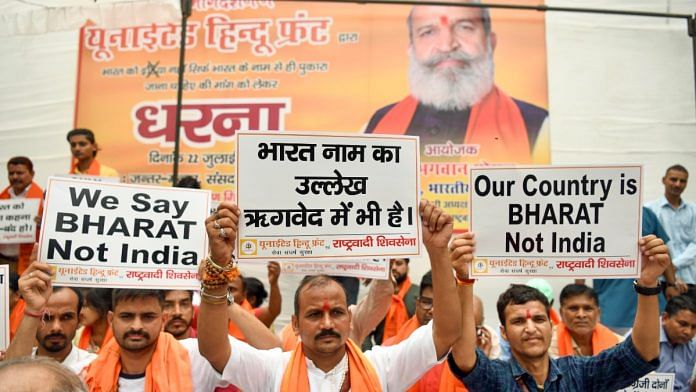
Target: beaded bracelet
pixel 214 299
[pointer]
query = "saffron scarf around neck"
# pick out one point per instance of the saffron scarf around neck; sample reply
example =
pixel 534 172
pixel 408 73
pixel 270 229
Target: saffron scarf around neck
pixel 602 339
pixel 363 377
pixel 495 124
pixel 86 336
pixel 16 317
pixel 94 168
pixel 169 369
pixel 397 314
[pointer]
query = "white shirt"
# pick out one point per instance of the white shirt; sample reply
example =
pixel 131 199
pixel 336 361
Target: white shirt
pixel 397 367
pixel 204 377
pixel 76 360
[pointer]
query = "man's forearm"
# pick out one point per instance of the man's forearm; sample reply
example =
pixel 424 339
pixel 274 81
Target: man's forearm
pixel 464 349
pixel 447 317
pixel 372 309
pixel 23 342
pixel 646 328
pixel 255 332
pixel 213 342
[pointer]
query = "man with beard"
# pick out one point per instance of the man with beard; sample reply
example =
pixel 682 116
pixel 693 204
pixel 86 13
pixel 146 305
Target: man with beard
pixel 325 360
pixel 579 332
pixel 452 92
pixel 403 304
pixel 20 173
pixel 178 310
pixel 678 217
pixel 51 322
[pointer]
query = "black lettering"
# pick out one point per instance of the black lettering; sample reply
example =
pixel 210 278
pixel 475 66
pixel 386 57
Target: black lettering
pixel 54 247
pixel 141 202
pixel 91 199
pixel 66 219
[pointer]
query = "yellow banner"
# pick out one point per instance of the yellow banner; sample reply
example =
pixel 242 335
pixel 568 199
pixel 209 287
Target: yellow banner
pixel 470 82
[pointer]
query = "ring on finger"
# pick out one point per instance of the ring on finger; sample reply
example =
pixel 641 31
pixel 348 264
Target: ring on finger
pixel 216 225
pixel 222 233
pixel 31 274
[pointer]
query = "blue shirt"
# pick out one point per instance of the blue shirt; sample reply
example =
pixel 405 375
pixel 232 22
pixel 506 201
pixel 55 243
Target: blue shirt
pixel 610 370
pixel 680 224
pixel 617 299
pixel 678 360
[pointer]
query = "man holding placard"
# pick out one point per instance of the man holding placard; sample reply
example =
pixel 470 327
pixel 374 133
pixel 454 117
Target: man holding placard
pixel 20 173
pixel 325 359
pixel 524 316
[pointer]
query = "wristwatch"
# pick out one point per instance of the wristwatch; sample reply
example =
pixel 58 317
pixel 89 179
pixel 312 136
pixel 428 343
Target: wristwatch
pixel 648 290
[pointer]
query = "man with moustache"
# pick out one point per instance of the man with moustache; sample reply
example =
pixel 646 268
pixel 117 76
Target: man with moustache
pixel 20 173
pixel 51 322
pixel 579 332
pixel 325 360
pixel 453 96
pixel 178 310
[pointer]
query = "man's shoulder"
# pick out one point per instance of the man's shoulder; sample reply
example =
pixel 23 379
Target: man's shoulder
pixel 377 117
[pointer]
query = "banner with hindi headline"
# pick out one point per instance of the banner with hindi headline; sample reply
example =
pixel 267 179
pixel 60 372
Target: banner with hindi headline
pixel 5 303
pixel 17 220
pixel 117 235
pixel 316 66
pixel 367 269
pixel 573 221
pixel 652 382
pixel 327 196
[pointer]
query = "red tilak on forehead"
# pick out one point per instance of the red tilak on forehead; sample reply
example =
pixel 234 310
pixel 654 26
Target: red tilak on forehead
pixel 326 306
pixel 444 20
pixel 529 314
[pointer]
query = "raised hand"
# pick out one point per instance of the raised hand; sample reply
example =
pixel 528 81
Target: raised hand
pixel 462 250
pixel 655 259
pixel 221 228
pixel 273 272
pixel 437 226
pixel 35 283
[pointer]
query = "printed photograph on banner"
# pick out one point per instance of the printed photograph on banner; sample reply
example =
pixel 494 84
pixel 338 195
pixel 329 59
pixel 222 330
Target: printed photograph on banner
pixel 18 220
pixel 652 382
pixel 368 268
pixel 314 66
pixel 327 196
pixel 572 221
pixel 5 305
pixel 118 235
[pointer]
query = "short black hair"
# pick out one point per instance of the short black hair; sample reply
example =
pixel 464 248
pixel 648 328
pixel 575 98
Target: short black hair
pixel 426 282
pixel 87 133
pixel 254 288
pixel 188 182
pixel 189 292
pixel 119 295
pixel 21 161
pixel 574 290
pixel 14 282
pixel 678 168
pixel 77 292
pixel 99 299
pixel 679 303
pixel 519 294
pixel 311 281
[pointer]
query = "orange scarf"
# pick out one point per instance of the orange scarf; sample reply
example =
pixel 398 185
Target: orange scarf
pixel 448 381
pixel 34 192
pixel 602 339
pixel 233 329
pixel 553 315
pixel 94 168
pixel 495 124
pixel 404 332
pixel 87 335
pixel 288 338
pixel 397 314
pixel 363 377
pixel 169 368
pixel 16 317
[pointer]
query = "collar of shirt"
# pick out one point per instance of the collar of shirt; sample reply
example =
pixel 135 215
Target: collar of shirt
pixel 23 194
pixel 664 203
pixel 518 371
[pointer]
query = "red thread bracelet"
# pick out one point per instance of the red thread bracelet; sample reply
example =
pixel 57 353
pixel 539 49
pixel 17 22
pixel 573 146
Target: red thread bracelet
pixel 465 282
pixel 35 315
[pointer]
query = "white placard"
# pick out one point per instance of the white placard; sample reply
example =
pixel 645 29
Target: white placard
pixel 88 177
pixel 5 304
pixel 556 221
pixel 17 224
pixel 652 382
pixel 368 269
pixel 327 197
pixel 119 235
